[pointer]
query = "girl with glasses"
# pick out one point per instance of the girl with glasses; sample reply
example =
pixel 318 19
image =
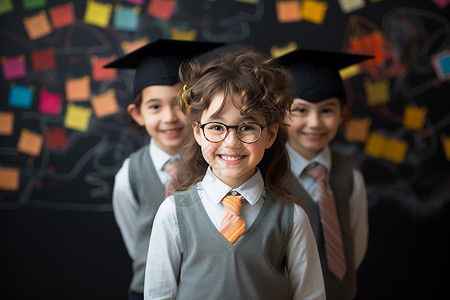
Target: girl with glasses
pixel 232 230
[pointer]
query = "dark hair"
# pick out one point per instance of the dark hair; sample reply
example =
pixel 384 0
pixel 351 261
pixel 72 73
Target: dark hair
pixel 266 89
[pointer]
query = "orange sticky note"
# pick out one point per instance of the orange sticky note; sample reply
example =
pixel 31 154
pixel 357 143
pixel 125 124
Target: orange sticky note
pixel 78 89
pixel 446 145
pixel 395 150
pixel 6 123
pixel 289 11
pixel 131 46
pixel 161 9
pixel 62 15
pixel 375 145
pixel 77 117
pixel 9 178
pixel 98 72
pixel 314 11
pixel 37 26
pixel 378 92
pixel 30 142
pixel 357 130
pixel 105 104
pixel 98 13
pixel 414 117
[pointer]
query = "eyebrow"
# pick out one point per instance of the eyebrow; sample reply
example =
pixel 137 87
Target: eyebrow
pixel 241 120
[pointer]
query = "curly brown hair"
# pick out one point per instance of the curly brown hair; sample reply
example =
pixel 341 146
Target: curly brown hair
pixel 266 89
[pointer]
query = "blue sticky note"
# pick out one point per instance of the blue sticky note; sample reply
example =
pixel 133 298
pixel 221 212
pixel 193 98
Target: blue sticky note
pixel 445 64
pixel 20 96
pixel 126 18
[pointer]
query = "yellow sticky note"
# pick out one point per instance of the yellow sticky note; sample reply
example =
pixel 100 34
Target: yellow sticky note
pixel 395 150
pixel 77 117
pixel 288 11
pixel 9 178
pixel 6 123
pixel 378 92
pixel 30 142
pixel 128 47
pixel 78 89
pixel 314 11
pixel 375 145
pixel 98 13
pixel 37 26
pixel 105 104
pixel 184 35
pixel 276 51
pixel 349 6
pixel 414 117
pixel 446 145
pixel 349 72
pixel 357 130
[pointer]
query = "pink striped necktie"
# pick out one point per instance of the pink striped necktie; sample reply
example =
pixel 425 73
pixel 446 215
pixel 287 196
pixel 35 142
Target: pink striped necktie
pixel 330 224
pixel 171 167
pixel 233 225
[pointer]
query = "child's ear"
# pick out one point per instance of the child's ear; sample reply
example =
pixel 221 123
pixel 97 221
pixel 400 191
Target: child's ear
pixel 135 113
pixel 272 131
pixel 197 133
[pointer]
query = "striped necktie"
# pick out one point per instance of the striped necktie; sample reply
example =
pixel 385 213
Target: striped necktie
pixel 233 225
pixel 330 224
pixel 171 167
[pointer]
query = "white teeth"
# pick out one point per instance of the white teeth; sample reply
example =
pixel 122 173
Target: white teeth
pixel 231 158
pixel 171 131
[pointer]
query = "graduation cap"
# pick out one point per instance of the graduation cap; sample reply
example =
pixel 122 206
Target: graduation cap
pixel 316 73
pixel 157 62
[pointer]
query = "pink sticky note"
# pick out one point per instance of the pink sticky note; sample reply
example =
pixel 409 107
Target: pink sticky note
pixel 50 103
pixel 14 67
pixel 441 3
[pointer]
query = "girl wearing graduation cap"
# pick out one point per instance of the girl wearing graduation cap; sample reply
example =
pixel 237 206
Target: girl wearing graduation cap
pixel 331 188
pixel 143 181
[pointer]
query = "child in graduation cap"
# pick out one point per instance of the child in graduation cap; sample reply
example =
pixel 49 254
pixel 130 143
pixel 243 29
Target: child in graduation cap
pixel 143 181
pixel 331 188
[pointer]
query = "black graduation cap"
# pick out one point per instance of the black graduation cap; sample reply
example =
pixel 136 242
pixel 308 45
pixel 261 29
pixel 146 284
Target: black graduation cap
pixel 316 73
pixel 157 62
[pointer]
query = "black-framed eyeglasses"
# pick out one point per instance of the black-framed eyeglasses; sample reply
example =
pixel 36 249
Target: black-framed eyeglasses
pixel 216 132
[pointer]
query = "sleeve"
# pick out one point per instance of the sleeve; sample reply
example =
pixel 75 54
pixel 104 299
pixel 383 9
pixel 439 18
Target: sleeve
pixel 164 254
pixel 304 269
pixel 125 208
pixel 359 217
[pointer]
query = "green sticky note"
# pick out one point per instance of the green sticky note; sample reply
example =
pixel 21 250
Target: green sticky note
pixel 6 6
pixel 32 4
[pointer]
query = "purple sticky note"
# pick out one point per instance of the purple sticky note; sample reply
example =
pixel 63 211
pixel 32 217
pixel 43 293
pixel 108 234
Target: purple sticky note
pixel 20 96
pixel 441 3
pixel 14 67
pixel 50 103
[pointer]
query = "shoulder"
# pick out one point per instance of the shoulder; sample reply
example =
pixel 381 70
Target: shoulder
pixel 300 216
pixel 167 209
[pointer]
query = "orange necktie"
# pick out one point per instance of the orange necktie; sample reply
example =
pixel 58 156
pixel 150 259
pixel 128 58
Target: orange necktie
pixel 171 168
pixel 233 225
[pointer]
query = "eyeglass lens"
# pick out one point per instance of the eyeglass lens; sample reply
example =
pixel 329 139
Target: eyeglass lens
pixel 246 132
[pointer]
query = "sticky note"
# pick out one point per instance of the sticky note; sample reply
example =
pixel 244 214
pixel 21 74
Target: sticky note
pixel 105 104
pixel 161 9
pixel 78 89
pixel 126 18
pixel 32 4
pixel 414 117
pixel 276 51
pixel 6 6
pixel 43 60
pixel 137 2
pixel 375 145
pixel 441 64
pixel 30 142
pixel 14 67
pixel 6 123
pixel 377 92
pixel 9 178
pixel 288 11
pixel 62 15
pixel 395 150
pixel 441 3
pixel 98 13
pixel 349 72
pixel 185 35
pixel 357 129
pixel 446 145
pixel 50 103
pixel 21 96
pixel 77 117
pixel 314 11
pixel 348 6
pixel 128 47
pixel 56 138
pixel 37 26
pixel 98 72
pixel 248 1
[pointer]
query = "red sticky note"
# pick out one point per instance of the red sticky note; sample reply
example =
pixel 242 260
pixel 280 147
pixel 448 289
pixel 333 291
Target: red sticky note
pixel 50 103
pixel 162 9
pixel 62 15
pixel 43 60
pixel 14 67
pixel 98 72
pixel 56 138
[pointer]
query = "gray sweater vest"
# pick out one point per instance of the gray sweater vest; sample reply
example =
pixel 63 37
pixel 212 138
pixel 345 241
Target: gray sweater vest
pixel 149 193
pixel 341 181
pixel 252 268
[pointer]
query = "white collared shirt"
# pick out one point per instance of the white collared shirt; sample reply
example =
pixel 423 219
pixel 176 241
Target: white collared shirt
pixel 165 249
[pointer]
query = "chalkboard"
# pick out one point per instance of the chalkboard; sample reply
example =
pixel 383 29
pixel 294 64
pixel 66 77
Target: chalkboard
pixel 65 132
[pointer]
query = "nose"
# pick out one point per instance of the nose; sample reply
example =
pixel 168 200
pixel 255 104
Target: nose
pixel 231 139
pixel 170 115
pixel 314 120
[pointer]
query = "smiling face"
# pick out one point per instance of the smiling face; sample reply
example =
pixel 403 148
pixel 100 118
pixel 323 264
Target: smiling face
pixel 162 118
pixel 231 160
pixel 313 125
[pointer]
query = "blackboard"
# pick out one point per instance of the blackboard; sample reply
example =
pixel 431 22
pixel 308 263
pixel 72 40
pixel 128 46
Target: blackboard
pixel 60 150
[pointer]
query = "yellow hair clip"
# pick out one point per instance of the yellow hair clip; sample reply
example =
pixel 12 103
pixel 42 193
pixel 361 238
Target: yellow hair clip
pixel 188 106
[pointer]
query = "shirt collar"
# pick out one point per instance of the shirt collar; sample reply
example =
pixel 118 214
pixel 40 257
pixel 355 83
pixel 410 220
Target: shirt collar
pixel 251 190
pixel 299 163
pixel 159 156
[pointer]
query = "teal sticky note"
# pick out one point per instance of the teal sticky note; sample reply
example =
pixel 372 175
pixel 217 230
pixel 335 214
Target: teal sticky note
pixel 6 6
pixel 126 18
pixel 32 4
pixel 445 64
pixel 20 96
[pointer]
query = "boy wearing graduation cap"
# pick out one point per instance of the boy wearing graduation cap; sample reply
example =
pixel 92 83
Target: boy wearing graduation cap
pixel 142 182
pixel 331 188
